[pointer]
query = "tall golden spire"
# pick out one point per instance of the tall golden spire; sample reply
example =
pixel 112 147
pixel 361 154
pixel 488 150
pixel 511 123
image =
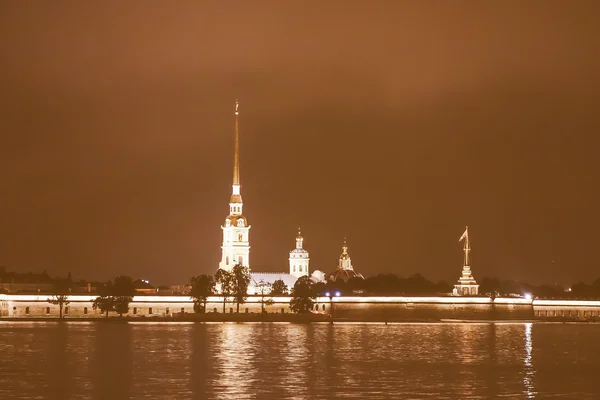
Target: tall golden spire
pixel 236 156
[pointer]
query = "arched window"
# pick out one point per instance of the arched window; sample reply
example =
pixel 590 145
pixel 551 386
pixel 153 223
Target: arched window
pixel 231 311
pixel 150 310
pixel 85 310
pixel 215 310
pixel 240 260
pixel 240 237
pixel 182 310
pixel 294 268
pixel 26 310
pixel 134 310
pixel 227 260
pixel 300 268
pixel 246 311
pixel 47 310
pixel 66 310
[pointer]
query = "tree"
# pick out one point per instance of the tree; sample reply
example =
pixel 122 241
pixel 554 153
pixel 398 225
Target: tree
pixel 202 287
pixel 302 296
pixel 263 289
pixel 241 280
pixel 60 298
pixel 224 279
pixel 123 291
pixel 115 296
pixel 279 288
pixel 104 304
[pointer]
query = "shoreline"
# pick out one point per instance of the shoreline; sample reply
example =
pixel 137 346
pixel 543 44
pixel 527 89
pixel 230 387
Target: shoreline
pixel 290 318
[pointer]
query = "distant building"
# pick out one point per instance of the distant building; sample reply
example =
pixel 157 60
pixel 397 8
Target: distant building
pixel 344 270
pixel 466 286
pixel 144 287
pixel 15 282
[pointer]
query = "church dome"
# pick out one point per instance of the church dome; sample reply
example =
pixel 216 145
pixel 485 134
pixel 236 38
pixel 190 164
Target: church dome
pixel 344 270
pixel 344 275
pixel 318 276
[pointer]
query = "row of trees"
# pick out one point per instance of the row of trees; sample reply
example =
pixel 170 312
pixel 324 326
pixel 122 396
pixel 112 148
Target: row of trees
pixel 232 285
pixel 497 287
pixel 385 284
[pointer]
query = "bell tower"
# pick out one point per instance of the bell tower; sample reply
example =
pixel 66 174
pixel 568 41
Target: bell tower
pixel 236 244
pixel 299 258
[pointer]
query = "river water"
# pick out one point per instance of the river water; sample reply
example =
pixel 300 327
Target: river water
pixel 91 360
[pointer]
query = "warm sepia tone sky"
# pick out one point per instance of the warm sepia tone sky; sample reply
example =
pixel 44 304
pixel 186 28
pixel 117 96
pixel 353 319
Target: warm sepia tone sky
pixel 393 123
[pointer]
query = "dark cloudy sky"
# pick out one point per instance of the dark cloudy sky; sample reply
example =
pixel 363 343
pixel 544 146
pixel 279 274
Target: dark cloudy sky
pixel 392 123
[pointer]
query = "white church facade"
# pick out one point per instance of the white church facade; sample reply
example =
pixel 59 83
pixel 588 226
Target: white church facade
pixel 236 238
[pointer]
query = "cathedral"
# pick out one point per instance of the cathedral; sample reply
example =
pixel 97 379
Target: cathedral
pixel 236 232
pixel 345 270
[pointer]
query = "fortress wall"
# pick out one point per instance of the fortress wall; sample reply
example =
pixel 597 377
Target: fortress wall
pixel 511 311
pixel 391 312
pixel 344 308
pixel 82 306
pixel 571 310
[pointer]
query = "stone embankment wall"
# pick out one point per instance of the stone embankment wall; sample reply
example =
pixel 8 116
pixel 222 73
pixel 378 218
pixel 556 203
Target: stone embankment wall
pixel 377 309
pixel 431 309
pixel 141 306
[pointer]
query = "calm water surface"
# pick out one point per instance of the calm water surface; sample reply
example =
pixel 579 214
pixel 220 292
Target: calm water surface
pixel 285 361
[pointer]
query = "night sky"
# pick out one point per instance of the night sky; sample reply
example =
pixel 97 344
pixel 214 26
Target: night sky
pixel 394 124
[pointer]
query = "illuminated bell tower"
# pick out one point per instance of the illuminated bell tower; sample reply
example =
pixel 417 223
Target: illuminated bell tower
pixel 299 258
pixel 236 245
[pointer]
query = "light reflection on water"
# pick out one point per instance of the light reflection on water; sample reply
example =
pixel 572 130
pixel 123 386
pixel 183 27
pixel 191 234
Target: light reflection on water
pixel 287 361
pixel 528 371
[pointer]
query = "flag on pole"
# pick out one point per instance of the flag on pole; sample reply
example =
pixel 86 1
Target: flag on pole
pixel 464 235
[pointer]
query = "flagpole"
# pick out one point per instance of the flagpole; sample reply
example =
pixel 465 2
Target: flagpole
pixel 467 247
